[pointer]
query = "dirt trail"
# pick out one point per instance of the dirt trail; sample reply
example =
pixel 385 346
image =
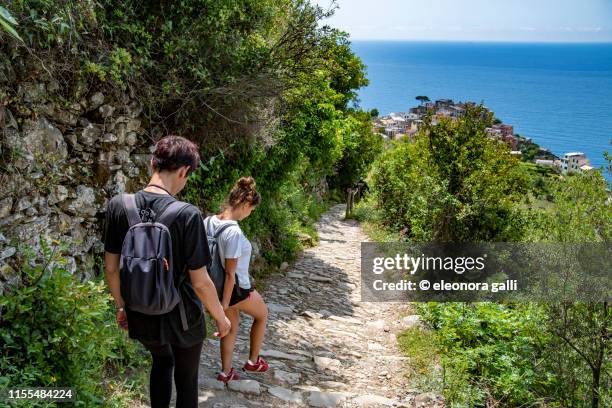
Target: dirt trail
pixel 325 347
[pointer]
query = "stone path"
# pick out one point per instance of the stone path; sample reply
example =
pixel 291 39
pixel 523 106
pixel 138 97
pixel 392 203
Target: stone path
pixel 325 347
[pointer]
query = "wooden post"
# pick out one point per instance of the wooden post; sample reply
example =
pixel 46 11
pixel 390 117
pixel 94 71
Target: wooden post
pixel 349 202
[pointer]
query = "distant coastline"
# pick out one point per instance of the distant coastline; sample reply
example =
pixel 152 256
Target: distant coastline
pixel 396 125
pixel 556 93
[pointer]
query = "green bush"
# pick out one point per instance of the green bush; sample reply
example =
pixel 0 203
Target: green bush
pixel 57 331
pixel 490 352
pixel 451 183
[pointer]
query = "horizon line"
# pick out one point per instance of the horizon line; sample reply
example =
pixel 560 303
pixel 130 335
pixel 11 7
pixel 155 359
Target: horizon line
pixel 608 42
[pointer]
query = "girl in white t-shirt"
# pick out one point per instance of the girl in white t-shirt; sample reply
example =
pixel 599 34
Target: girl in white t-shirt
pixel 235 253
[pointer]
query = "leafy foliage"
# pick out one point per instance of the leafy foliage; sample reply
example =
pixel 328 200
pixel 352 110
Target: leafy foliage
pixel 452 183
pixel 59 332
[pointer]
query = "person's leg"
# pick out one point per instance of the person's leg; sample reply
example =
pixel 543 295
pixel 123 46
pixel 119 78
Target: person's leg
pixel 229 341
pixel 160 380
pixel 255 307
pixel 187 361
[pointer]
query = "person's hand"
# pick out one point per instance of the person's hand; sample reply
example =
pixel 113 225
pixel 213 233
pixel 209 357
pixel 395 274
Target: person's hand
pixel 223 326
pixel 122 319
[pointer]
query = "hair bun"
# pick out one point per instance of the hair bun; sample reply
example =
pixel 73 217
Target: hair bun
pixel 246 183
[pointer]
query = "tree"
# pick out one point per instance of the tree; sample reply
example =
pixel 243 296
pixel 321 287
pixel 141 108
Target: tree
pixel 453 183
pixel 580 331
pixel 422 99
pixel 374 113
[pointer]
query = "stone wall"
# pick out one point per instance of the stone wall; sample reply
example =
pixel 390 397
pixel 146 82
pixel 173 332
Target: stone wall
pixel 60 164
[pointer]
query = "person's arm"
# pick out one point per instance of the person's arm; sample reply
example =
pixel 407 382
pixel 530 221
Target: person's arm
pixel 111 263
pixel 230 281
pixel 207 293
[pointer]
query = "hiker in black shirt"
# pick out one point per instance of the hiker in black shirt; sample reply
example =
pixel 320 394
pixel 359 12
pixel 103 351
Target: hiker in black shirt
pixel 170 345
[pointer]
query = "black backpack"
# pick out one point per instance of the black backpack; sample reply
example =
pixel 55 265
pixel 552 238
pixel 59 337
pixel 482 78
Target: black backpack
pixel 146 272
pixel 215 269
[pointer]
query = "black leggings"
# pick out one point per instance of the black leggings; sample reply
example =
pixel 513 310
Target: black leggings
pixel 165 358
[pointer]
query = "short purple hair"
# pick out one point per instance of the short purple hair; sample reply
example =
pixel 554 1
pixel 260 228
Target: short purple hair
pixel 173 152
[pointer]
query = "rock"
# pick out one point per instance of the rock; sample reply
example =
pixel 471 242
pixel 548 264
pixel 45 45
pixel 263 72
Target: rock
pixel 57 195
pixel 295 275
pixel 10 276
pixel 96 100
pixel 369 400
pixel 286 395
pixel 282 355
pixel 278 308
pixel 7 253
pixel 325 399
pixel 23 204
pixel 213 384
pixel 44 139
pixel 9 119
pixel 287 377
pixel 85 202
pixel 106 110
pixel 6 204
pixel 121 133
pixel 10 220
pixel 376 324
pixel 343 319
pixel 326 363
pixel 6 272
pixel 318 278
pixel 311 315
pixel 132 125
pixel 131 139
pixel 118 183
pixel 245 386
pixel 134 109
pixel 31 211
pixel 375 346
pixel 303 289
pixel 109 138
pixel 332 384
pixel 411 321
pixel 63 116
pixel 427 399
pixel 32 92
pixel 90 135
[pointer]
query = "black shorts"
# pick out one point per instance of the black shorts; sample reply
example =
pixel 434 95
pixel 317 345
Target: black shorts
pixel 239 294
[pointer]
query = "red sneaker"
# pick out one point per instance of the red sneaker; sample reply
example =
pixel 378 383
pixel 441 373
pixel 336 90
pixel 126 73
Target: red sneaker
pixel 259 367
pixel 232 375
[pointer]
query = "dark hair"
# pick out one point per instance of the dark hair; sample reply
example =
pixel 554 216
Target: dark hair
pixel 173 152
pixel 243 192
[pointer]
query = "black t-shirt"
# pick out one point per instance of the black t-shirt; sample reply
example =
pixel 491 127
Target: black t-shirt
pixel 189 248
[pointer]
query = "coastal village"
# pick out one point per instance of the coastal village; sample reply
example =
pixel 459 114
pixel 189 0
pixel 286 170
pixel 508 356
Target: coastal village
pixel 406 124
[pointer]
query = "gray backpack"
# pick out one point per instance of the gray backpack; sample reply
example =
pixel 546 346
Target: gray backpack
pixel 215 269
pixel 148 281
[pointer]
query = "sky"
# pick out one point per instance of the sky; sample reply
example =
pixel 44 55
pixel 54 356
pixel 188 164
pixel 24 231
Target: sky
pixel 474 20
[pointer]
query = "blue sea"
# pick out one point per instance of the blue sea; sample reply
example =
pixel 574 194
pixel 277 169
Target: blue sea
pixel 560 95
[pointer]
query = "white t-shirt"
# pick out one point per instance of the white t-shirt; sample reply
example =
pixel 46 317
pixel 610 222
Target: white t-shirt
pixel 233 244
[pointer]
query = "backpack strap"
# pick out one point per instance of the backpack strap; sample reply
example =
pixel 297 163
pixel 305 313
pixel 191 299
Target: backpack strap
pixel 219 231
pixel 167 217
pixel 129 202
pixel 169 214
